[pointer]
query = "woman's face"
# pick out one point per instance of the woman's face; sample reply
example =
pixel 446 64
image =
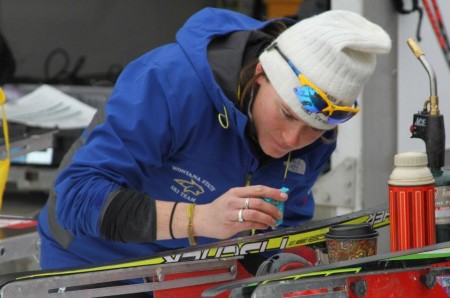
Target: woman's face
pixel 278 129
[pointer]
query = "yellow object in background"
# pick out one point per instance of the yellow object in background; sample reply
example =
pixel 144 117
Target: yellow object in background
pixel 282 8
pixel 4 164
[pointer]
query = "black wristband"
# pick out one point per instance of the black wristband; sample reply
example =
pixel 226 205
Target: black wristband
pixel 171 218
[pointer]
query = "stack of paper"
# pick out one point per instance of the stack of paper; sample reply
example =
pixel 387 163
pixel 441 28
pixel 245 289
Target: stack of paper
pixel 48 107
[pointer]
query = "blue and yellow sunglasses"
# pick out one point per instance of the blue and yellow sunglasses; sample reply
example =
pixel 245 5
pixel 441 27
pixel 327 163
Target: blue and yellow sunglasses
pixel 316 101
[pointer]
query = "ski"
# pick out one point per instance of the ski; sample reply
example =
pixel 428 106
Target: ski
pixel 413 258
pixel 417 282
pixel 308 233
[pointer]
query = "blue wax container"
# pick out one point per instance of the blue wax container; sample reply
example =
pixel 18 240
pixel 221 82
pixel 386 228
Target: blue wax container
pixel 278 204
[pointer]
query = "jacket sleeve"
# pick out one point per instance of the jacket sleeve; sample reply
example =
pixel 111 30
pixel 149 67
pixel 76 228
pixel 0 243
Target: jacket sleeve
pixel 130 216
pixel 135 135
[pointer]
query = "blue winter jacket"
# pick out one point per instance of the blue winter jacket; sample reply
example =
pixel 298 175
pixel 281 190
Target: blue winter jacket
pixel 161 136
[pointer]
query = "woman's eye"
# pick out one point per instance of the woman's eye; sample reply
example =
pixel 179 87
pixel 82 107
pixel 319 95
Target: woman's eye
pixel 288 115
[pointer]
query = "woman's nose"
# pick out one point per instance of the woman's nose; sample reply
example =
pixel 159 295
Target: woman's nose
pixel 292 136
pixel 299 136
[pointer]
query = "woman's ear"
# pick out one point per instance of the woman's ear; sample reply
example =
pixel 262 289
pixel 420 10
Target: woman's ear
pixel 258 69
pixel 259 72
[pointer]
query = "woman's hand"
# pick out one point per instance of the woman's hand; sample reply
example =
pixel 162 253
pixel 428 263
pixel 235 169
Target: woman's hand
pixel 220 218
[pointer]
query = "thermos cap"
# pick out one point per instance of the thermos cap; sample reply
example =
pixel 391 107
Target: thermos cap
pixel 410 159
pixel 411 170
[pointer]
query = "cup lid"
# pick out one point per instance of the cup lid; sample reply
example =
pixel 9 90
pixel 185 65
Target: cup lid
pixel 351 231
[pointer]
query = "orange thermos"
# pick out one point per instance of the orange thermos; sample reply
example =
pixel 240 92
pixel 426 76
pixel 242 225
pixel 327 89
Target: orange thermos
pixel 411 202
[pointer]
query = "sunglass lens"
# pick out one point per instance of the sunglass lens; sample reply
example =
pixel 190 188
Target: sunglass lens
pixel 340 116
pixel 309 99
pixel 313 103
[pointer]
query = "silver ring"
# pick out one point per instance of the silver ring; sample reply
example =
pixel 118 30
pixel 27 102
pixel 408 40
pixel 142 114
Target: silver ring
pixel 247 203
pixel 240 217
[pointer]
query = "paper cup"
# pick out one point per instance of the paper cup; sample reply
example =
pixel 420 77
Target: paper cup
pixel 346 242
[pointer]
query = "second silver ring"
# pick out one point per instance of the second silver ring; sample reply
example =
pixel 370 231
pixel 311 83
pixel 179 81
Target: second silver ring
pixel 247 203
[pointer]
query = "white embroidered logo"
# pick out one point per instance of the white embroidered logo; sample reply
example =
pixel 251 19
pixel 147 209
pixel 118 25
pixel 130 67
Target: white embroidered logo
pixel 297 165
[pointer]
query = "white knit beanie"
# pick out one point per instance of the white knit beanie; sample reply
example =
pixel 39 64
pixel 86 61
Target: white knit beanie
pixel 335 50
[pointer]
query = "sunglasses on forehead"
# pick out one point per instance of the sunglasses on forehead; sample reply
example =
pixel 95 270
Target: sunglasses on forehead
pixel 315 100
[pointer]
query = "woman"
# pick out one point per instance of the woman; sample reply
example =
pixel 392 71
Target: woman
pixel 197 132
